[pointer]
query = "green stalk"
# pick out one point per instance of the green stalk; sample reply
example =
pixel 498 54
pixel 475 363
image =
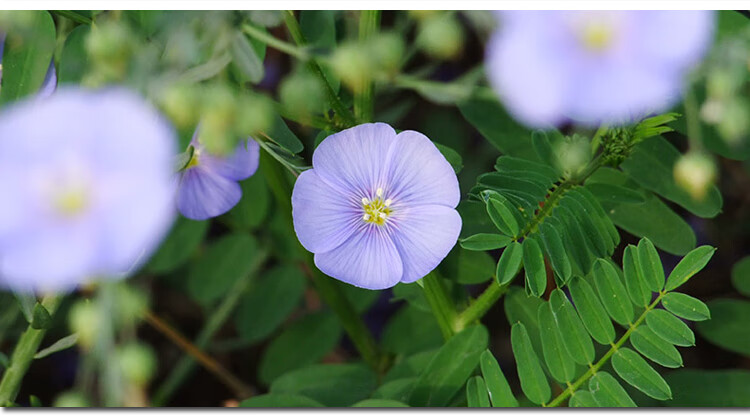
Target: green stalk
pixel 23 354
pixel 594 368
pixel 328 289
pixel 369 22
pixel 333 99
pixel 440 302
pixel 479 307
pixel 276 43
pixel 227 306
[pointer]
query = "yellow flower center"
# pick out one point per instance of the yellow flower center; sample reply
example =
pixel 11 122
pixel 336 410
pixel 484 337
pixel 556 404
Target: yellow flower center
pixel 377 209
pixel 597 36
pixel 71 202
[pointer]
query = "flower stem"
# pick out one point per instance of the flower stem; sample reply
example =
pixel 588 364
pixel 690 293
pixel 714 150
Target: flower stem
pixel 442 306
pixel 271 41
pixel 479 307
pixel 594 368
pixel 214 322
pixel 333 99
pixel 23 355
pixel 369 22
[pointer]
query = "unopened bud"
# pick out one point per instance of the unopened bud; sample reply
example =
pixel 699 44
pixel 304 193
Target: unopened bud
pixel 85 320
pixel 441 36
pixel 302 93
pixel 352 64
pixel 137 363
pixel 695 172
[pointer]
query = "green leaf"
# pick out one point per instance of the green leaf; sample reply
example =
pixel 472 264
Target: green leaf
pixel 706 388
pixel 333 385
pixel 62 344
pixel 41 319
pixel 283 136
pixel 689 266
pixel 592 313
pixel 476 393
pixel 226 261
pixel 474 267
pixel 607 392
pixel 649 265
pixel 509 263
pixel 499 128
pixel 612 292
pixel 670 328
pixel 685 306
pixel 533 382
pixel 728 327
pixel 637 287
pixel 533 262
pixel 398 389
pixel 273 298
pixel 317 333
pixel 520 307
pixel 485 241
pixel 582 398
pixel 575 338
pixel 27 56
pixel 279 400
pixel 26 302
pixel 585 219
pixel 74 61
pixel 245 58
pixel 452 156
pixel 379 403
pixel 447 372
pixel 559 363
pixel 655 220
pixel 636 372
pixel 500 213
pixel 741 276
pixel 651 164
pixel 410 331
pixel 556 252
pixel 655 348
pixel 615 193
pixel 411 366
pixel 500 393
pixel 543 149
pixel 252 209
pixel 185 237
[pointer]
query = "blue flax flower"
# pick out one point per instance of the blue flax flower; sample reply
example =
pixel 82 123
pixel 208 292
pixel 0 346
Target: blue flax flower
pixel 552 67
pixel 209 184
pixel 377 208
pixel 87 185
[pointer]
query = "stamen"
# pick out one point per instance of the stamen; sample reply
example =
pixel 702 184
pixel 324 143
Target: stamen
pixel 366 217
pixel 379 192
pixel 388 202
pixel 365 201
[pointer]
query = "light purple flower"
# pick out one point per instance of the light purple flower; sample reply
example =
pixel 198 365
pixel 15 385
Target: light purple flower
pixel 87 187
pixel 209 184
pixel 550 67
pixel 377 208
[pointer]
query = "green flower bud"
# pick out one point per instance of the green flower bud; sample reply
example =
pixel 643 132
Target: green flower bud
pixel 218 117
pixel 441 36
pixel 180 104
pixel 110 46
pixel 735 120
pixel 573 154
pixel 137 363
pixel 353 65
pixel 695 172
pixel 85 319
pixel 302 94
pixel 387 49
pixel 71 399
pixel 254 115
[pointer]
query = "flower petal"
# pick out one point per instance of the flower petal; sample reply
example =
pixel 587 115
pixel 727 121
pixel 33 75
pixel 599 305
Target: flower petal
pixel 240 165
pixel 354 158
pixel 368 259
pixel 204 194
pixel 323 217
pixel 418 174
pixel 423 236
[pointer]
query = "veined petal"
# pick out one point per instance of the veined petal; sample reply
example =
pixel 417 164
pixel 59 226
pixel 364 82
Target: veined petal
pixel 418 174
pixel 240 165
pixel 323 217
pixel 354 159
pixel 204 194
pixel 423 236
pixel 368 259
pixel 678 38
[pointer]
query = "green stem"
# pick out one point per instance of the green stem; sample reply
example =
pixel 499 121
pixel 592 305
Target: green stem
pixel 333 99
pixel 328 289
pixel 692 121
pixel 594 368
pixel 74 16
pixel 271 41
pixel 23 355
pixel 187 363
pixel 440 302
pixel 369 22
pixel 479 307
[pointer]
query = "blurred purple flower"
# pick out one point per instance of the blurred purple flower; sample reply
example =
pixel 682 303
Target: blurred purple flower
pixel 550 67
pixel 377 208
pixel 87 185
pixel 209 184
